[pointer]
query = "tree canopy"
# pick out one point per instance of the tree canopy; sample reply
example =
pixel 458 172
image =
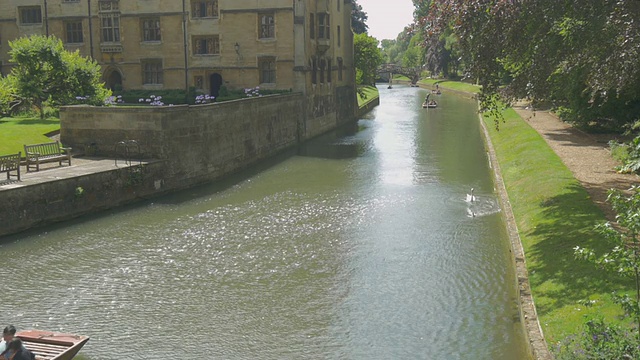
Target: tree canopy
pixel 582 55
pixel 358 18
pixel 368 58
pixel 44 72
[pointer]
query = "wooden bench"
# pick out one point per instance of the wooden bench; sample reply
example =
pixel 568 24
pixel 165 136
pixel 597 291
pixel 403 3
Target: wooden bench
pixel 48 152
pixel 10 163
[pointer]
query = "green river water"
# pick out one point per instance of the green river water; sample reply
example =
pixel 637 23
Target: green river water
pixel 360 245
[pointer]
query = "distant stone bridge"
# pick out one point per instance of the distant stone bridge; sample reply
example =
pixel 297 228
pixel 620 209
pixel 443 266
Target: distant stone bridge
pixel 386 71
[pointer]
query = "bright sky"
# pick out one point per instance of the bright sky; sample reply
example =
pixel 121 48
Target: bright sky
pixel 387 18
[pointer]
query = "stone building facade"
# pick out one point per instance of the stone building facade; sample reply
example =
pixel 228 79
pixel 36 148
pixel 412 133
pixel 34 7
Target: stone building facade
pixel 302 45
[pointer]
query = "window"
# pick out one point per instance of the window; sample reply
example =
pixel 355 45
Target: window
pixel 312 26
pixel 338 2
pixel 267 67
pixel 267 26
pixel 204 9
pixel 340 69
pixel 109 11
pixel 73 32
pixel 110 26
pixel 109 5
pixel 329 71
pixel 322 66
pixel 323 26
pixel 209 45
pixel 152 71
pixel 339 36
pixel 30 15
pixel 151 29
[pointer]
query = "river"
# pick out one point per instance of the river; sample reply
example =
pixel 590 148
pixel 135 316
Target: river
pixel 360 245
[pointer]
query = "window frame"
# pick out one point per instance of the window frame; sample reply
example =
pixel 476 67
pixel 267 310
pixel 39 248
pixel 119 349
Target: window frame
pixel 267 73
pixel 324 26
pixel 72 35
pixel 211 9
pixel 152 72
pixel 211 45
pixel 151 34
pixel 24 15
pixel 268 30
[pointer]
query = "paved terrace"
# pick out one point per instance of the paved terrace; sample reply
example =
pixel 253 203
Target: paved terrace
pixel 80 166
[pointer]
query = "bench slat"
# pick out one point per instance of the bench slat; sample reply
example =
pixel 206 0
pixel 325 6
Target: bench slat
pixel 10 163
pixel 46 152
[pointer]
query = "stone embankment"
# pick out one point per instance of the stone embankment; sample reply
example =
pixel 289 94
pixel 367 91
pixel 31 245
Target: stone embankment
pixel 161 150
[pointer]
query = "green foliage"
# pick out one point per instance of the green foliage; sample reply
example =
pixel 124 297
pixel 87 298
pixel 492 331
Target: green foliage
pixel 7 95
pixel 368 58
pixel 169 96
pixel 628 154
pixel 584 58
pixel 413 56
pixel 46 74
pixel 623 259
pixel 358 19
pixel 599 340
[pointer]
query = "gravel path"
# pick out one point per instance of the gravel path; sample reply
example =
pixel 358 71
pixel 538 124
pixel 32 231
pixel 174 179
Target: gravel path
pixel 586 155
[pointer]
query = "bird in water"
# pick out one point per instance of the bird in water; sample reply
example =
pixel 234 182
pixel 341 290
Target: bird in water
pixel 471 197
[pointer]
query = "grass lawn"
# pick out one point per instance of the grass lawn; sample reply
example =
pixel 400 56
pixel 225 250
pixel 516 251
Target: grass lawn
pixel 15 132
pixel 453 85
pixel 370 92
pixel 400 77
pixel 554 214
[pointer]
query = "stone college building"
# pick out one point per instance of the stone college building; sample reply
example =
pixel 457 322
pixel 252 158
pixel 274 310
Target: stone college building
pixel 302 45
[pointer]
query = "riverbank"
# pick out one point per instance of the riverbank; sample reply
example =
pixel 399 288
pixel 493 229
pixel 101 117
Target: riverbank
pixel 556 179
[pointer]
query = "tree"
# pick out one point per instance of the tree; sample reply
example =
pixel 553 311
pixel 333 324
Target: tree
pixel 368 58
pixel 583 55
pixel 358 19
pixel 45 73
pixel 624 258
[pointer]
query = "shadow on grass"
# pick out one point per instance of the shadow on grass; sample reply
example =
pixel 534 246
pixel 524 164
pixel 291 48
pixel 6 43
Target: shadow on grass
pixel 37 121
pixel 568 221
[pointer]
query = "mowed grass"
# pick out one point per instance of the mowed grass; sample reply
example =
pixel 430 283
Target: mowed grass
pixel 370 93
pixel 16 132
pixel 453 85
pixel 554 214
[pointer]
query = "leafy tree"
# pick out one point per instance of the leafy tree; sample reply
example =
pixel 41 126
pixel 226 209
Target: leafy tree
pixel 368 58
pixel 413 56
pixel 624 258
pixel 45 73
pixel 583 55
pixel 358 19
pixel 7 95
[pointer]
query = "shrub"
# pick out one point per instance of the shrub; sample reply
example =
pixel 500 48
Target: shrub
pixel 599 341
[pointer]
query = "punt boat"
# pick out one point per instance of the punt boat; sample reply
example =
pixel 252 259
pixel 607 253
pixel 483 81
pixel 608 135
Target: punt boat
pixel 48 345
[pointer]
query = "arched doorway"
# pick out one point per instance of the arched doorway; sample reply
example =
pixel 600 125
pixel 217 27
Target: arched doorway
pixel 215 82
pixel 114 80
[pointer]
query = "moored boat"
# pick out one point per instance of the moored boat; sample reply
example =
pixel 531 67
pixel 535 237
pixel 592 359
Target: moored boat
pixel 431 104
pixel 49 345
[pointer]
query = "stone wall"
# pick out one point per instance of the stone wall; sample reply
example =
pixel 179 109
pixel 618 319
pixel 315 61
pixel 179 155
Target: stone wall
pixel 181 146
pixel 203 143
pixel 47 202
pixel 199 143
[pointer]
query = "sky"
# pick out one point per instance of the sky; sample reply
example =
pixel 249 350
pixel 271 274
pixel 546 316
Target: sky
pixel 387 18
